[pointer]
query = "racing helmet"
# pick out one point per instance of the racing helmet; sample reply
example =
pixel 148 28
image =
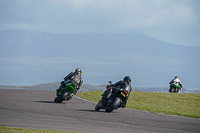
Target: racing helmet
pixel 176 77
pixel 127 79
pixel 78 70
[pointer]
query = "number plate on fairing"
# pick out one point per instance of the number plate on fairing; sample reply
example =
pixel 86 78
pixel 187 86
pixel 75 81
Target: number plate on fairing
pixel 122 93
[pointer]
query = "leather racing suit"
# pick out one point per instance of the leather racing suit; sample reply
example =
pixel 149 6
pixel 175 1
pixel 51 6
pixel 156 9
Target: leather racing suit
pixel 119 85
pixel 176 80
pixel 72 78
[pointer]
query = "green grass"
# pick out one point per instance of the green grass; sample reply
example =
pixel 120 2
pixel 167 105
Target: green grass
pixel 4 129
pixel 181 104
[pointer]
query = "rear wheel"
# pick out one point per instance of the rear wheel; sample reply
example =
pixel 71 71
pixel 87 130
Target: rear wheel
pixel 114 105
pixel 62 97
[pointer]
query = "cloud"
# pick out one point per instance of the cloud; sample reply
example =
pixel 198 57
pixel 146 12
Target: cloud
pixel 132 13
pixel 124 14
pixel 93 16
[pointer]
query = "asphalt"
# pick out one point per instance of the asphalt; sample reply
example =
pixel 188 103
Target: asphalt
pixel 35 109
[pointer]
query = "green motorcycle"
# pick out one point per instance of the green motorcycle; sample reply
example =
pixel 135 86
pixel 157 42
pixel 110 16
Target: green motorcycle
pixel 174 88
pixel 66 93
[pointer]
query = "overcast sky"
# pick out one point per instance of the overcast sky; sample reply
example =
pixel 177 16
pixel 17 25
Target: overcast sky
pixel 175 21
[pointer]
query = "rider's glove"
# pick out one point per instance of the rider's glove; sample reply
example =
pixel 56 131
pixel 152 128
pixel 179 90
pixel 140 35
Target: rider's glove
pixel 125 92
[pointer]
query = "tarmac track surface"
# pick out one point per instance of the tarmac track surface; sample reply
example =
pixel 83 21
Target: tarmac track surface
pixel 35 109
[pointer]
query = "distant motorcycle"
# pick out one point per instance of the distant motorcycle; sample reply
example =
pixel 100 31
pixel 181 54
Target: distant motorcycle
pixel 174 88
pixel 66 93
pixel 114 101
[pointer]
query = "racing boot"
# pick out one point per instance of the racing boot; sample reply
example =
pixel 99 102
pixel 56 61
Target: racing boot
pixel 123 104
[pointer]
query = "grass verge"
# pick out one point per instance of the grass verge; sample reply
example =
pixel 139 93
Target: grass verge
pixel 4 129
pixel 180 104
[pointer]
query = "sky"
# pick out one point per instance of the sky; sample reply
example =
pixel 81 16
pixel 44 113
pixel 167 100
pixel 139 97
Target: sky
pixel 173 21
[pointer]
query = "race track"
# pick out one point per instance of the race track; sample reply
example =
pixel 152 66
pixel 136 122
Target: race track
pixel 35 109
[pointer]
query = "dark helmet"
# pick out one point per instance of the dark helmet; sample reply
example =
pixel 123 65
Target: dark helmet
pixel 176 77
pixel 78 70
pixel 127 79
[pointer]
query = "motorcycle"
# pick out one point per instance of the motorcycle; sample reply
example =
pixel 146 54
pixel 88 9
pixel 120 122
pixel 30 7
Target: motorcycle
pixel 114 101
pixel 174 88
pixel 66 93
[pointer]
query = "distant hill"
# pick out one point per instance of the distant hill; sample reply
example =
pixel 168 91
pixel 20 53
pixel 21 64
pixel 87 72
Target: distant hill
pixel 31 57
pixel 87 87
pixel 53 86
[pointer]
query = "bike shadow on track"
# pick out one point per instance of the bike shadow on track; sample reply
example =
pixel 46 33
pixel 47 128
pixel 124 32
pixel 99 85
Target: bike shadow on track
pixel 93 111
pixel 50 102
pixel 45 101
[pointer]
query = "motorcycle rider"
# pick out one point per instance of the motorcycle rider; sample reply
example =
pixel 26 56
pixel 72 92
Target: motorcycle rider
pixel 176 80
pixel 125 84
pixel 73 77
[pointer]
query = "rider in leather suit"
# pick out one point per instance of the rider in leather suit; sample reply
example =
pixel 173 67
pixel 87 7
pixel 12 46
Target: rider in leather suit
pixel 125 84
pixel 73 77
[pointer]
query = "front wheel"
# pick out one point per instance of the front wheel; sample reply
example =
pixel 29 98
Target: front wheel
pixel 114 105
pixel 97 108
pixel 55 100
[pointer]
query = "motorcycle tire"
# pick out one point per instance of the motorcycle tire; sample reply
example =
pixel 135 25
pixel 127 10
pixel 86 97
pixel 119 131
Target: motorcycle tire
pixel 55 99
pixel 177 90
pixel 97 108
pixel 172 90
pixel 114 105
pixel 62 97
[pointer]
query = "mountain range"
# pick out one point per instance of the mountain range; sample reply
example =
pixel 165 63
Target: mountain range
pixel 32 57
